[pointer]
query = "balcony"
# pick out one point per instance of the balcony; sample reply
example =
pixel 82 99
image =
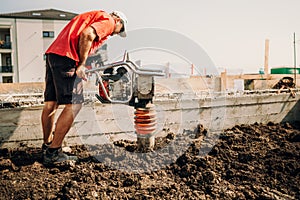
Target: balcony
pixel 6 69
pixel 5 45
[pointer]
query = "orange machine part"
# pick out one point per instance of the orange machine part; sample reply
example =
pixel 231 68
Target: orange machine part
pixel 101 92
pixel 145 120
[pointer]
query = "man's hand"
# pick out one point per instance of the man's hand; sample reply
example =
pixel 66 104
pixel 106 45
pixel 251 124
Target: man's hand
pixel 80 72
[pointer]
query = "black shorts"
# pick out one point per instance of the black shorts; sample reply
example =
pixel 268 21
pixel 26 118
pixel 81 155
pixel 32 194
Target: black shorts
pixel 62 84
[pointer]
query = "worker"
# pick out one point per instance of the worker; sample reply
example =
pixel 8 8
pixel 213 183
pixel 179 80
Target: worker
pixel 65 70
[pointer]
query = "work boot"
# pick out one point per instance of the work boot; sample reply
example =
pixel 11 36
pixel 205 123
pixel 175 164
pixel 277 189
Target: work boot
pixel 57 156
pixel 45 147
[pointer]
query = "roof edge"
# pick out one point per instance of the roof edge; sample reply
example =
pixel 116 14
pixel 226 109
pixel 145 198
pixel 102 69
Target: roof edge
pixel 51 14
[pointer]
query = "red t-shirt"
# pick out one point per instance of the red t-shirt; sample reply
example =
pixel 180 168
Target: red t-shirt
pixel 66 43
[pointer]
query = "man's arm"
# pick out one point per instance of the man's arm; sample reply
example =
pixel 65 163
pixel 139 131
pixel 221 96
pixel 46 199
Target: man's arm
pixel 86 39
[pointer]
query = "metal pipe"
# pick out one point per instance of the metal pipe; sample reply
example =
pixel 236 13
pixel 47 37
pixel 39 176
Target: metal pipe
pixel 149 72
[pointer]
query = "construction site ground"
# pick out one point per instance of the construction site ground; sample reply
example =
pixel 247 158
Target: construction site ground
pixel 258 161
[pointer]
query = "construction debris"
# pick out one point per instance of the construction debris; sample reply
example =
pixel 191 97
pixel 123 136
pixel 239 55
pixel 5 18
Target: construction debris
pixel 286 83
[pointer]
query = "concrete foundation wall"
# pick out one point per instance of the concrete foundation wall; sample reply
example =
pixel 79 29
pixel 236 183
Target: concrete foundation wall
pixel 15 88
pixel 98 123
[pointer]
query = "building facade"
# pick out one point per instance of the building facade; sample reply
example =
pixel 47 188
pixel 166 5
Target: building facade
pixel 24 38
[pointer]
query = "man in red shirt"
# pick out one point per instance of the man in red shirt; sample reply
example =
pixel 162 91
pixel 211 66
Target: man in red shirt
pixel 65 70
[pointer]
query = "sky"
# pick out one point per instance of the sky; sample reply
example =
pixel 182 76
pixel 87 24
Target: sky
pixel 231 32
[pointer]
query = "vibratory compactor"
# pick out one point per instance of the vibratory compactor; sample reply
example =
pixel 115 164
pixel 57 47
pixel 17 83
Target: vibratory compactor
pixel 124 82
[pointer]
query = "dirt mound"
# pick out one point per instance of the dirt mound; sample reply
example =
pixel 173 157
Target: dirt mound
pixel 248 162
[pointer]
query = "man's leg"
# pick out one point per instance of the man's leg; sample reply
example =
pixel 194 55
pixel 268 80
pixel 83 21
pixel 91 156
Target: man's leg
pixel 50 106
pixel 64 123
pixel 48 115
pixel 66 93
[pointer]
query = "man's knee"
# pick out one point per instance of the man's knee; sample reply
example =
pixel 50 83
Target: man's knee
pixel 74 107
pixel 50 106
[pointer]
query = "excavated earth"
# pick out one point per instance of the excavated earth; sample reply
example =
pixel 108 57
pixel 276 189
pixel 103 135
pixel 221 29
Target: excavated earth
pixel 258 161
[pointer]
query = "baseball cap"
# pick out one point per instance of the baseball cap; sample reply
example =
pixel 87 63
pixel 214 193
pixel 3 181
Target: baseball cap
pixel 124 21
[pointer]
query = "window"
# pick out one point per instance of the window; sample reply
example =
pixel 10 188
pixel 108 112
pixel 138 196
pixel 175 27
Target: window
pixel 7 38
pixel 7 69
pixel 7 79
pixel 48 34
pixel 36 14
pixel 8 61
